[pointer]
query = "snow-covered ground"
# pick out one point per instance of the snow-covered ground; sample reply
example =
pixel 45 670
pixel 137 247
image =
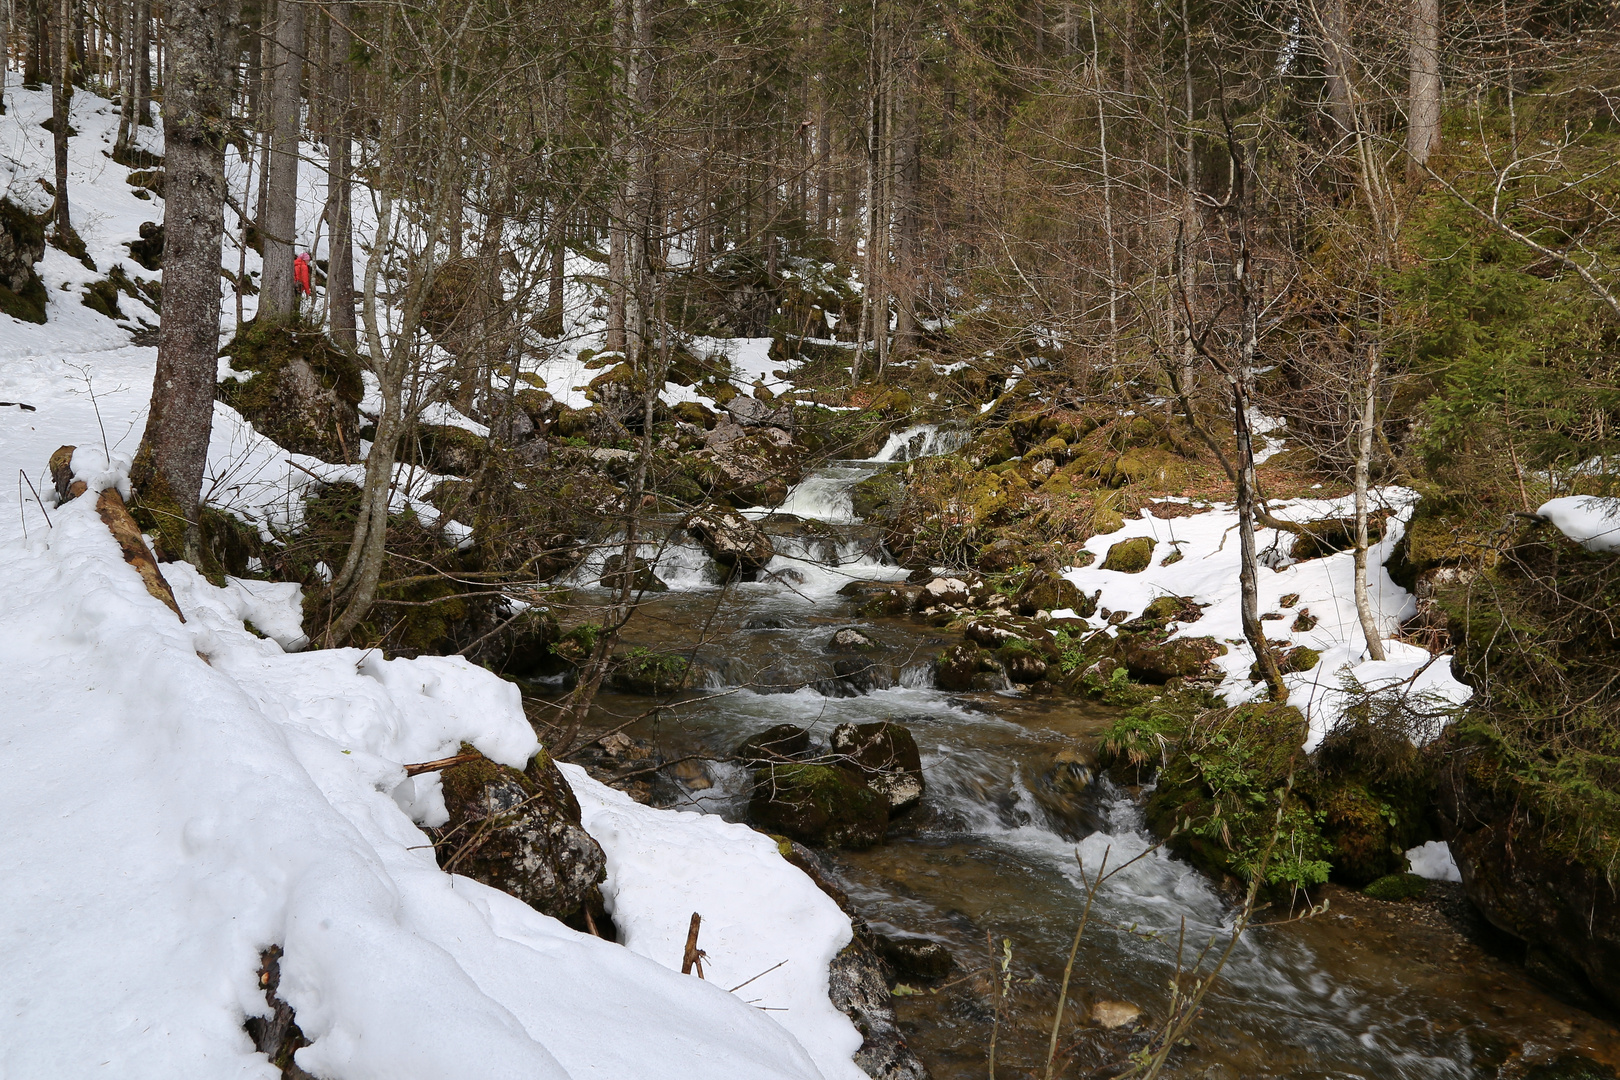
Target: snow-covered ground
pixel 1207 572
pixel 184 795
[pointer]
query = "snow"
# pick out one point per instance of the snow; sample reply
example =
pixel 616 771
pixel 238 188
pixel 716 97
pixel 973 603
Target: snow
pixel 1589 520
pixel 1433 861
pixel 1208 574
pixel 663 865
pixel 186 794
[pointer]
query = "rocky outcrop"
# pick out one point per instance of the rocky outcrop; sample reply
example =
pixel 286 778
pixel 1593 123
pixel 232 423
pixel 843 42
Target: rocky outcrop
pixel 732 540
pixel 641 576
pixel 821 805
pixel 886 755
pixel 519 831
pixel 858 989
pixel 300 391
pixel 1527 879
pixel 22 244
pixel 967 667
pixel 748 466
pixel 752 412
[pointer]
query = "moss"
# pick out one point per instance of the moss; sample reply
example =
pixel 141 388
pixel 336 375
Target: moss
pixel 1396 887
pixel 880 494
pixel 27 306
pixel 1130 556
pixel 314 413
pixel 695 414
pixel 642 671
pixel 818 804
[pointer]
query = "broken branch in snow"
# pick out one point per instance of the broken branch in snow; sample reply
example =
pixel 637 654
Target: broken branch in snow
pixel 442 763
pixel 694 955
pixel 116 516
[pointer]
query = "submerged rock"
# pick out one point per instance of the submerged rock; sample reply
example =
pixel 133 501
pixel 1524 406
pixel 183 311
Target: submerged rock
pixel 519 832
pixel 822 805
pixel 886 755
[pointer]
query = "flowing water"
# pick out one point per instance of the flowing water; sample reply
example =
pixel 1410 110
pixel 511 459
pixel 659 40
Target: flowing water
pixel 996 858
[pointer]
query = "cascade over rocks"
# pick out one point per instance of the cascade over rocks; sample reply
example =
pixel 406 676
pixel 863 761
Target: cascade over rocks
pixel 886 755
pixel 732 540
pixel 519 832
pixel 642 578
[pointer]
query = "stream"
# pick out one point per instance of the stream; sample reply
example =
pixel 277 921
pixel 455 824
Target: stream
pixel 992 860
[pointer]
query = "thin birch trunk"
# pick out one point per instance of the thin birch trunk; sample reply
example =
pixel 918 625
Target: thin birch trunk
pixel 1369 414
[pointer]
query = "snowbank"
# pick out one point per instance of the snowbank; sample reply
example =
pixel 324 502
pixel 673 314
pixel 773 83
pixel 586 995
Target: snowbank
pixel 1207 572
pixel 1589 520
pixel 183 796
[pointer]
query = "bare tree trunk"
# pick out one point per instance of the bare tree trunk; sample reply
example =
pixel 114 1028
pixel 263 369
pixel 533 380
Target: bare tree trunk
pixel 1423 110
pixel 1108 194
pixel 1335 30
pixel 279 225
pixel 1369 416
pixel 169 467
pixel 61 96
pixel 339 212
pixel 554 277
pixel 618 237
pixel 5 50
pixel 143 63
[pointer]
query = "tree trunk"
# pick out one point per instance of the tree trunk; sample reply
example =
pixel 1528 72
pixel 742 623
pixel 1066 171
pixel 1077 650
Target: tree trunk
pixel 340 218
pixel 142 44
pixel 61 96
pixel 1369 417
pixel 279 225
pixel 174 449
pixel 1336 55
pixel 1423 110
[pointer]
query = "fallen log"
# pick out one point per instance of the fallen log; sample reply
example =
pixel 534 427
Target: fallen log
pixel 119 522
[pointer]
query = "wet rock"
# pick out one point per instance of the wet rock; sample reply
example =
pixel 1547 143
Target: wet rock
pixel 861 675
pixel 959 667
pixel 945 591
pixel 1021 664
pixel 1185 658
pixel 886 755
pixel 765 622
pixel 858 989
pixel 1130 556
pixel 519 832
pixel 821 805
pixel 732 540
pixel 1114 1014
pixel 850 639
pixel 691 772
pixel 651 674
pixel 995 632
pixel 882 599
pixel 913 957
pixel 642 578
pixel 775 744
pixel 1564 908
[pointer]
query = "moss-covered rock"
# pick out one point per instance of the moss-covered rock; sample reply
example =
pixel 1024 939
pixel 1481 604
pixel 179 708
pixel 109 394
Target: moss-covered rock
pixel 776 743
pixel 641 576
pixel 651 674
pixel 732 540
pixel 22 244
pixel 519 831
pixel 1043 590
pixel 822 805
pixel 447 449
pixel 886 755
pixel 959 667
pixel 301 391
pixel 1178 658
pixel 1130 556
pixel 1397 887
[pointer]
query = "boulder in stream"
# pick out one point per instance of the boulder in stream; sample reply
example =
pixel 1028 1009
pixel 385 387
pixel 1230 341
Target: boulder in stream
pixel 858 988
pixel 850 639
pixel 642 578
pixel 519 831
pixel 732 540
pixel 822 805
pixel 886 754
pixel 779 742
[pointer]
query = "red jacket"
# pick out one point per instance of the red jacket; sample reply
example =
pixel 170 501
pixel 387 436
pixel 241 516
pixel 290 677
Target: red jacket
pixel 301 275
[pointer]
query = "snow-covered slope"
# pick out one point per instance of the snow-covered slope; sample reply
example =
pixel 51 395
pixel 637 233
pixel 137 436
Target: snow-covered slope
pixel 184 795
pixel 1207 572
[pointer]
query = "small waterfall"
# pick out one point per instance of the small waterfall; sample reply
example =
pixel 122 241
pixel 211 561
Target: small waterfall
pixel 678 561
pixel 922 440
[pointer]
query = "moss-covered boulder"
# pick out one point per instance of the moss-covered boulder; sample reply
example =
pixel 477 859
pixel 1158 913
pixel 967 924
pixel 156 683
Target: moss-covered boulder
pixel 1217 798
pixel 445 448
pixel 1042 590
pixel 1396 887
pixel 1178 658
pixel 640 578
pixel 749 470
pixel 778 742
pixel 651 674
pixel 1328 535
pixel 519 831
pixel 879 493
pixel 22 244
pixel 301 391
pixel 886 755
pixel 1130 556
pixel 1290 662
pixel 821 805
pixel 964 667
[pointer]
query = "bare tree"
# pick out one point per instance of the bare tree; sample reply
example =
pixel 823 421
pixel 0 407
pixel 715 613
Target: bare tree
pixel 279 224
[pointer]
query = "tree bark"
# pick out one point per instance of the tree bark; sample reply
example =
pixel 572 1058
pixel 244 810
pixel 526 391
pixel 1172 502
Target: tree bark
pixel 279 225
pixel 168 470
pixel 1423 109
pixel 340 217
pixel 61 97
pixel 1335 29
pixel 142 44
pixel 1369 415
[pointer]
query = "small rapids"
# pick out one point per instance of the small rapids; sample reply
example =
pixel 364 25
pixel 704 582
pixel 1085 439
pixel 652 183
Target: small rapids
pixel 1011 830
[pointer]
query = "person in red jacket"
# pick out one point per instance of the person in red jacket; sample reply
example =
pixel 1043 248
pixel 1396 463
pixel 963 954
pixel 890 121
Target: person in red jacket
pixel 301 275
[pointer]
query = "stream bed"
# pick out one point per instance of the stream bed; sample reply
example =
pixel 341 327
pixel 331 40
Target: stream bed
pixel 994 863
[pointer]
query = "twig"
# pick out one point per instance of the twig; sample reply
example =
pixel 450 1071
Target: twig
pixel 761 975
pixel 442 763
